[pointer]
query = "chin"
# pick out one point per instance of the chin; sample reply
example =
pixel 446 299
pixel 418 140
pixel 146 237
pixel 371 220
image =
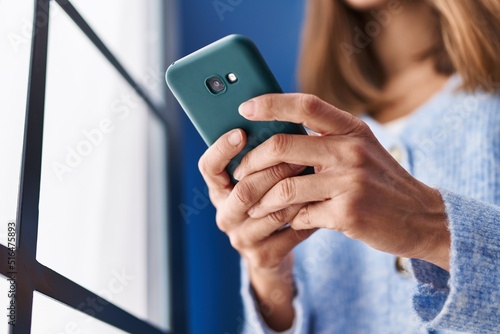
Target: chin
pixel 366 4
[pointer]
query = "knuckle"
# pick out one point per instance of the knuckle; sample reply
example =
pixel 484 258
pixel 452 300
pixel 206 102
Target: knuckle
pixel 355 127
pixel 286 190
pixel 212 195
pixel 360 127
pixel 277 173
pixel 263 259
pixel 202 164
pixel 350 216
pixel 331 225
pixel 360 178
pixel 351 213
pixel 243 193
pixel 359 153
pixel 209 162
pixel 220 150
pixel 305 216
pixel 278 145
pixel 277 218
pixel 221 222
pixel 310 103
pixel 237 241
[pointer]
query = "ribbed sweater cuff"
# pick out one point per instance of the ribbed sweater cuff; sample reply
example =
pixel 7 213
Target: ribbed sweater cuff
pixel 468 298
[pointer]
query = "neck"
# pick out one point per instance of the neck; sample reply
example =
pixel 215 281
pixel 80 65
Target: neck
pixel 410 79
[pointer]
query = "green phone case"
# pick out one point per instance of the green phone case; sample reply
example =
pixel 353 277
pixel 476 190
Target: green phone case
pixel 215 114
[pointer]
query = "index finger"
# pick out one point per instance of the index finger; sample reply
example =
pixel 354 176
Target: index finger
pixel 214 161
pixel 305 109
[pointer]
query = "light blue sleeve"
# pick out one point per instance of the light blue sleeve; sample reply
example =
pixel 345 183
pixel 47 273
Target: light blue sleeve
pixel 468 298
pixel 254 322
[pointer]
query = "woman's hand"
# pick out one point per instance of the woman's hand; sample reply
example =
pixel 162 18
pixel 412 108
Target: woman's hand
pixel 260 241
pixel 358 188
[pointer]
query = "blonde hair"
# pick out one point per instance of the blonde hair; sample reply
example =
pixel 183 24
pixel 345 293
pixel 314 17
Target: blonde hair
pixel 335 68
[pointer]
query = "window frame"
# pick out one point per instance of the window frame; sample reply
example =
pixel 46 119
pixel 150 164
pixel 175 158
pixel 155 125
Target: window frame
pixel 30 275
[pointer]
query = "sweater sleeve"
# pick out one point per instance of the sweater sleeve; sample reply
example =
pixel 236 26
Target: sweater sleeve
pixel 254 322
pixel 467 299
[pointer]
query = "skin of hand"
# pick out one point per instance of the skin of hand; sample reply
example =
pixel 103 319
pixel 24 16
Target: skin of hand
pixel 260 241
pixel 357 189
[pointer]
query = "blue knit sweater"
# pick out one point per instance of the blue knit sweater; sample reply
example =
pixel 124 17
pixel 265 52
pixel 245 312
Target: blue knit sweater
pixel 452 143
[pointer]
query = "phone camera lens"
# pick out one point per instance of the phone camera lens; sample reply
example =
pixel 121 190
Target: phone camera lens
pixel 215 84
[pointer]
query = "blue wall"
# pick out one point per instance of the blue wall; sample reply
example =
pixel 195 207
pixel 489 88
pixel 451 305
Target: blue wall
pixel 213 266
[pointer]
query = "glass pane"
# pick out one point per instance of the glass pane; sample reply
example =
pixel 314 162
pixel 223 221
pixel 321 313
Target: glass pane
pixel 95 192
pixel 133 32
pixel 15 28
pixel 50 316
pixel 159 281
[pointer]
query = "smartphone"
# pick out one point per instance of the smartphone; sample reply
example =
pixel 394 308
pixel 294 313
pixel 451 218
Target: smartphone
pixel 212 82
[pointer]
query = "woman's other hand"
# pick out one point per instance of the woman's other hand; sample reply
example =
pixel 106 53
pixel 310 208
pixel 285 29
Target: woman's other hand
pixel 260 241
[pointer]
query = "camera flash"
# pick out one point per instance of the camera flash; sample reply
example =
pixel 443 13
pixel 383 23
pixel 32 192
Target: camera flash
pixel 232 78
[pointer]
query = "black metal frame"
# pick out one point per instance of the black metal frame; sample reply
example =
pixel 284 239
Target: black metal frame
pixel 32 275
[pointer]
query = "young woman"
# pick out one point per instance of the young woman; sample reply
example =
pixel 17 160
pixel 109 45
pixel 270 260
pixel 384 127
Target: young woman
pixel 410 171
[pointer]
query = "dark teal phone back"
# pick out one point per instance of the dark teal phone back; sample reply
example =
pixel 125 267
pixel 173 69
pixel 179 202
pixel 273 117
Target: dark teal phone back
pixel 215 114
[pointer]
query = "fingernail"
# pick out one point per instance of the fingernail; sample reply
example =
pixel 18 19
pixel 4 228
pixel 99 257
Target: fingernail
pixel 234 138
pixel 251 211
pixel 247 108
pixel 237 174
